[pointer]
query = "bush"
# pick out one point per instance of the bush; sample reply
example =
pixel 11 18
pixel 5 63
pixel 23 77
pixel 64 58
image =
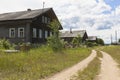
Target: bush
pixel 25 47
pixel 4 44
pixel 100 41
pixel 54 41
pixel 91 44
pixel 77 41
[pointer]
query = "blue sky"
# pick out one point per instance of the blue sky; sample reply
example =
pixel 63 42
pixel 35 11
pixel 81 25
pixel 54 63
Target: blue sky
pixel 98 17
pixel 113 3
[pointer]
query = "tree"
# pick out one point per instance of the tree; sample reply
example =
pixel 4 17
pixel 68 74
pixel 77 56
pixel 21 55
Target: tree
pixel 100 41
pixel 76 41
pixel 54 41
pixel 119 41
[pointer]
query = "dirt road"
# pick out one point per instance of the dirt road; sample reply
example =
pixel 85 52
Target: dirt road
pixel 109 68
pixel 66 74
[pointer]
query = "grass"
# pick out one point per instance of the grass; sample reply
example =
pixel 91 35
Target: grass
pixel 91 71
pixel 38 63
pixel 114 51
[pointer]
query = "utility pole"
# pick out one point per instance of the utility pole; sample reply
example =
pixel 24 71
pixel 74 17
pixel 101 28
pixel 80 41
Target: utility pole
pixel 111 39
pixel 116 36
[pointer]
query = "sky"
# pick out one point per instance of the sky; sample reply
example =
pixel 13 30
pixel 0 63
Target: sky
pixel 99 18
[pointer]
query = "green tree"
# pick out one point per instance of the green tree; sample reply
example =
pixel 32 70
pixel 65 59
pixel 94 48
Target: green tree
pixel 119 40
pixel 54 41
pixel 100 41
pixel 76 42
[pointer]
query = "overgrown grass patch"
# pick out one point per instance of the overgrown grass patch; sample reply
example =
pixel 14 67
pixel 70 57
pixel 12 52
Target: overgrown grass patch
pixel 114 51
pixel 91 71
pixel 38 63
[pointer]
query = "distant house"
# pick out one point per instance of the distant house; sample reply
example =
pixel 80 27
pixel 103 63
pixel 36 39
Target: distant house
pixel 27 26
pixel 69 35
pixel 92 38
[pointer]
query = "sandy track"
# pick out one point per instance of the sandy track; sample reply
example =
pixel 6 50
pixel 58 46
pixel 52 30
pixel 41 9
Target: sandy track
pixel 109 68
pixel 66 74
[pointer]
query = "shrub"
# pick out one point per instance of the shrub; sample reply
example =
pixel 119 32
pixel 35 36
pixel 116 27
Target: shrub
pixel 77 41
pixel 25 47
pixel 100 41
pixel 54 41
pixel 91 44
pixel 4 44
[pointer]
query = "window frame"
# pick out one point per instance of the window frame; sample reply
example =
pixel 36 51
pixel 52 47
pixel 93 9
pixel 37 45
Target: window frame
pixel 46 20
pixel 51 33
pixel 10 33
pixel 46 34
pixel 43 19
pixel 34 33
pixel 40 33
pixel 19 32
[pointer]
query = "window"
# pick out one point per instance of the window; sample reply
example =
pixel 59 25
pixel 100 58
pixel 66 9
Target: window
pixel 21 32
pixel 40 33
pixel 43 19
pixel 12 32
pixel 46 34
pixel 51 34
pixel 48 20
pixel 34 33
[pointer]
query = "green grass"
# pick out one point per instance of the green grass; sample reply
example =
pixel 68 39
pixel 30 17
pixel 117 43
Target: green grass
pixel 91 71
pixel 114 51
pixel 38 63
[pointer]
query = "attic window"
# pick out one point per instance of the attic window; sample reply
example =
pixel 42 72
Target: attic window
pixel 48 20
pixel 43 19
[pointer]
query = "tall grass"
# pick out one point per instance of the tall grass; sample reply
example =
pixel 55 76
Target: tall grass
pixel 114 51
pixel 91 71
pixel 38 63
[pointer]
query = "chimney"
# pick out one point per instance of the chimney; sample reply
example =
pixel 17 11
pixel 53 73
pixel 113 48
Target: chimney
pixel 28 9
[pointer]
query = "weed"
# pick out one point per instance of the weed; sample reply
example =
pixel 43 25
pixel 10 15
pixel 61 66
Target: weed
pixel 38 63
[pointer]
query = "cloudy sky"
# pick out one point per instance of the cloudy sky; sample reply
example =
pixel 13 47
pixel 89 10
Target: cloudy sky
pixel 98 17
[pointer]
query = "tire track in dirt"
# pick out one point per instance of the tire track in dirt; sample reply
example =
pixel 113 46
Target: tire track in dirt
pixel 109 68
pixel 68 73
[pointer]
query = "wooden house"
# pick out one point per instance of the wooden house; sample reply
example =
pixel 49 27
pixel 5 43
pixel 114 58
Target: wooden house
pixel 27 26
pixel 69 35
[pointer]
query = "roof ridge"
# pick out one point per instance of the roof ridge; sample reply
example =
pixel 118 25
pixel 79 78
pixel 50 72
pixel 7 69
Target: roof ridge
pixel 24 11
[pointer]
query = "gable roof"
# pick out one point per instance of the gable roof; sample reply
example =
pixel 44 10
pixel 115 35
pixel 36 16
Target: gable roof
pixel 28 14
pixel 72 34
